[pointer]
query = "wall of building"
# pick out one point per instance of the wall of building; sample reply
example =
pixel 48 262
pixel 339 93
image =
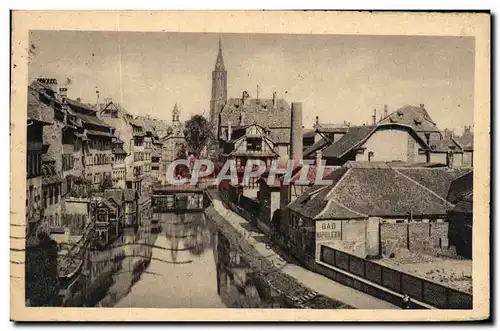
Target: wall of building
pixel 467 158
pixel 415 236
pixel 404 147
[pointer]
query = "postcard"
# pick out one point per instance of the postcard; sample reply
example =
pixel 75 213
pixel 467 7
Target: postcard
pixel 250 166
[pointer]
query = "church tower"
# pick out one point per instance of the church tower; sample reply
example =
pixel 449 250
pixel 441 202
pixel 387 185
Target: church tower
pixel 175 114
pixel 219 89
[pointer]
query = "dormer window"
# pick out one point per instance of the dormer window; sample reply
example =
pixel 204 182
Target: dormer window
pixel 418 122
pixel 400 114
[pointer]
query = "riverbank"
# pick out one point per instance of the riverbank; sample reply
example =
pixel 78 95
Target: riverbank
pixel 301 287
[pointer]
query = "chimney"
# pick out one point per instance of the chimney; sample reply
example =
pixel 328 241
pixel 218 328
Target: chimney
pixel 244 97
pixel 242 119
pixel 319 156
pixel 422 106
pixel 385 111
pixel 63 93
pixel 49 82
pixel 374 117
pixel 79 99
pixel 296 132
pixel 274 100
pixel 97 106
pixel 229 130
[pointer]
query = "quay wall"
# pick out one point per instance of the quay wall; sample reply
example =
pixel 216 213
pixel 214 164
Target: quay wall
pixel 280 282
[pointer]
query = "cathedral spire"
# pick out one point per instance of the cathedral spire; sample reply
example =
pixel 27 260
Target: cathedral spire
pixel 219 64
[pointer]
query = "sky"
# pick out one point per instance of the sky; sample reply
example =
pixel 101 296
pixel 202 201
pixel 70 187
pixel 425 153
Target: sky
pixel 336 77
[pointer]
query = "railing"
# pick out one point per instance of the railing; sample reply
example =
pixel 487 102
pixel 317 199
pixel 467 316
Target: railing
pixel 420 289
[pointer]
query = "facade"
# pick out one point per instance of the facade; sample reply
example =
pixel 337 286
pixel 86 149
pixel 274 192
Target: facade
pixel 250 142
pixel 119 166
pixel 372 209
pixel 219 90
pixel 130 207
pixel 131 132
pixel 98 152
pixel 369 143
pixel 39 115
pixel 467 143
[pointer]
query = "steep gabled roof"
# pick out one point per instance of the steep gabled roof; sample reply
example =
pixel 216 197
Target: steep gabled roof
pixel 416 117
pixel 316 146
pixel 349 141
pixel 261 112
pixel 37 110
pixel 445 145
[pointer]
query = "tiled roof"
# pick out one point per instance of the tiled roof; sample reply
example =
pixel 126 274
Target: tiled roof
pixel 119 150
pixel 316 146
pixel 129 195
pixel 350 140
pixel 416 117
pixel 437 180
pixel 37 110
pixel 377 191
pixel 332 128
pixel 77 104
pixel 464 204
pixel 259 111
pixel 312 202
pixel 113 105
pixel 445 145
pixel 460 186
pixel 117 195
pixel 309 134
pixel 89 119
pixel 312 172
pixel 358 134
pixel 467 141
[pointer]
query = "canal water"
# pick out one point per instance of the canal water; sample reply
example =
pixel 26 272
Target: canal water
pixel 182 261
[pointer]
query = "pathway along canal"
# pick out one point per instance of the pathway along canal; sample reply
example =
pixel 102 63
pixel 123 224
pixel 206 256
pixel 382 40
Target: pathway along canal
pixel 192 265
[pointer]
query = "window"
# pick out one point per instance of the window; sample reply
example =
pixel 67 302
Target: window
pixel 370 156
pixel 254 144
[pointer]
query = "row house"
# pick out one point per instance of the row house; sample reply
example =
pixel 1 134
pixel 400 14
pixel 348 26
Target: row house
pixel 369 143
pixel 274 115
pixel 130 131
pixel 97 151
pixel 148 151
pixel 39 116
pixel 156 157
pixel 52 201
pixel 119 166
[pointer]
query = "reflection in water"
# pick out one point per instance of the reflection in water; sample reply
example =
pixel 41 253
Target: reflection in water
pixel 186 263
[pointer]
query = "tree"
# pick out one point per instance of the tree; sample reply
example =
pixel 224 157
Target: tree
pixel 197 133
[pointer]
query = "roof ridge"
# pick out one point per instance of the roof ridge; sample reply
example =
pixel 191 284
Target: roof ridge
pixel 423 186
pixel 341 205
